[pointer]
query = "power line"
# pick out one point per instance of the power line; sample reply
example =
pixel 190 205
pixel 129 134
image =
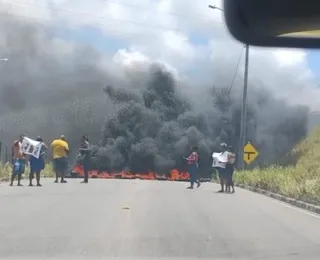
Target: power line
pixel 46 22
pixel 236 72
pixel 93 16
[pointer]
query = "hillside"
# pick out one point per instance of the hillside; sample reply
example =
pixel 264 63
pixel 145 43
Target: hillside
pixel 299 181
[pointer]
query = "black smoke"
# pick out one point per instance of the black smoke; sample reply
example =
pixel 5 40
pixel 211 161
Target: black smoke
pixel 155 125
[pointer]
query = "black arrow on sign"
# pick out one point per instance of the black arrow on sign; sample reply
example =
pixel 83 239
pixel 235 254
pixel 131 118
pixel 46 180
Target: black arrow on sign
pixel 248 154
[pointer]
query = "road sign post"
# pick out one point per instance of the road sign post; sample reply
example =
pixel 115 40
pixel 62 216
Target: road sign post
pixel 250 153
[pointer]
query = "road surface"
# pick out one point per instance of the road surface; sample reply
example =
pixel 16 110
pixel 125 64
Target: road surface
pixel 133 218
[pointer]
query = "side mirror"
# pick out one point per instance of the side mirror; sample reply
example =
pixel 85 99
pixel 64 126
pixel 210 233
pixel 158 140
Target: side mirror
pixel 274 23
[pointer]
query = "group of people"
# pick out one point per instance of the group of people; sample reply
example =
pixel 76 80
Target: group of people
pixel 225 168
pixel 60 152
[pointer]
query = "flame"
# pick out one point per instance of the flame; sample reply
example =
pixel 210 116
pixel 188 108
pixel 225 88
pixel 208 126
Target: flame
pixel 174 175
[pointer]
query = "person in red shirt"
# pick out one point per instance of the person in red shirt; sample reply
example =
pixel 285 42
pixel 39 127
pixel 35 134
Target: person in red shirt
pixel 193 167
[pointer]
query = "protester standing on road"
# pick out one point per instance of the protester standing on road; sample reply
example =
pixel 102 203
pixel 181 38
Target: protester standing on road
pixel 18 160
pixel 37 164
pixel 230 170
pixel 85 157
pixel 220 166
pixel 193 167
pixel 60 151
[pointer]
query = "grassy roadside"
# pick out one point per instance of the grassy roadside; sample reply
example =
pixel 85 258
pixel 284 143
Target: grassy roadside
pixel 6 171
pixel 300 181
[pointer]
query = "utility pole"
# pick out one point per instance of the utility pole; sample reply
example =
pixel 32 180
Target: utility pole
pixel 244 107
pixel 4 60
pixel 243 123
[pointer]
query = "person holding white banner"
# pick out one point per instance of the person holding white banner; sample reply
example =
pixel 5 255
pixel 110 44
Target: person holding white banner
pixel 37 164
pixel 219 163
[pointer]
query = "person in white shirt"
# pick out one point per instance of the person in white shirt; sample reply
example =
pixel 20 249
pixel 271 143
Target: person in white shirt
pixel 219 163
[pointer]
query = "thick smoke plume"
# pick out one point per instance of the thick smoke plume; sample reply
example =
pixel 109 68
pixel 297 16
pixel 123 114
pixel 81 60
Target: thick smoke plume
pixel 149 119
pixel 155 126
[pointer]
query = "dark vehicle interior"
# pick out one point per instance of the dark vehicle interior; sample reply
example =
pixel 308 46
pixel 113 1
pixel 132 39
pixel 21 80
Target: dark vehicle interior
pixel 274 23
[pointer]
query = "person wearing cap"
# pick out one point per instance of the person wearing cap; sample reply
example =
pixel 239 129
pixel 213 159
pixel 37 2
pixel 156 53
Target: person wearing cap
pixel 19 160
pixel 220 166
pixel 37 164
pixel 60 151
pixel 84 152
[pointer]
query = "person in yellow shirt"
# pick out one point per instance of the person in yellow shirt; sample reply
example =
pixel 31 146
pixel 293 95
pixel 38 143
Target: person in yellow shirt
pixel 60 151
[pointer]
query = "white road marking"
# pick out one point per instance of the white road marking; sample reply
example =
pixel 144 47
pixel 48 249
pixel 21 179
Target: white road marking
pixel 315 215
pixel 307 212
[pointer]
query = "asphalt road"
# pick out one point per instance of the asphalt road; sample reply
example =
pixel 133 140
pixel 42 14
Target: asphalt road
pixel 132 218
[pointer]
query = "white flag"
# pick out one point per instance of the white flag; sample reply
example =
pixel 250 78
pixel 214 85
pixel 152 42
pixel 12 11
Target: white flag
pixel 31 147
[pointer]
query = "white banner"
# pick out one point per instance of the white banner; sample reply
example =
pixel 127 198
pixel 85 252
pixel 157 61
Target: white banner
pixel 31 147
pixel 219 159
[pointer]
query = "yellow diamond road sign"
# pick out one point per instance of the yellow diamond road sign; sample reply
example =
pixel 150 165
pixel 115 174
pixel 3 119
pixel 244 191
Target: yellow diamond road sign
pixel 250 153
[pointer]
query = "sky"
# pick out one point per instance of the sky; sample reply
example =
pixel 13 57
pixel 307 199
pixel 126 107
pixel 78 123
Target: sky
pixel 185 35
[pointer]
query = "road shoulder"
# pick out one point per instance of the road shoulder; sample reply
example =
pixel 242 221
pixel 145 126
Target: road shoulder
pixel 291 201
